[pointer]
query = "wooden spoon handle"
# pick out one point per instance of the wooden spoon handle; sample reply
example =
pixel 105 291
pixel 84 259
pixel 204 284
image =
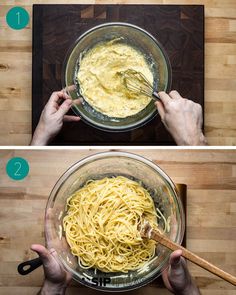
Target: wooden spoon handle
pixel 192 257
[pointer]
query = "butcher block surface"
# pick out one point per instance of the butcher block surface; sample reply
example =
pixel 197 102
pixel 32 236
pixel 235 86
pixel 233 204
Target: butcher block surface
pixel 220 70
pixel 179 28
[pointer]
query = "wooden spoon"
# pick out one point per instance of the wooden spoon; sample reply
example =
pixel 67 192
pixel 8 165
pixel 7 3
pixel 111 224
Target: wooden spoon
pixel 147 231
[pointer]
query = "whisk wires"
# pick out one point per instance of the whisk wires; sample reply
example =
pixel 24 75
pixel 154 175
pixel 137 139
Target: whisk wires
pixel 137 82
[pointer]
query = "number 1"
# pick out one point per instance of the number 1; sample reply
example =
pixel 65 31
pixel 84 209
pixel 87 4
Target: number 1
pixel 18 18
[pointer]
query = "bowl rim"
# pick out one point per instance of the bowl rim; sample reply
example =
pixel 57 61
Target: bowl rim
pixel 88 159
pixel 108 128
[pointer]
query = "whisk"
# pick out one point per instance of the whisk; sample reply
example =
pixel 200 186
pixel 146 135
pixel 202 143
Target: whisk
pixel 137 82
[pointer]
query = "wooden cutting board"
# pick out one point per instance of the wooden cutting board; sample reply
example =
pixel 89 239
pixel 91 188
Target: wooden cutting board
pixel 179 28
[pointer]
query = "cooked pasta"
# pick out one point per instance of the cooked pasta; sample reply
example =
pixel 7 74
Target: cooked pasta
pixel 101 224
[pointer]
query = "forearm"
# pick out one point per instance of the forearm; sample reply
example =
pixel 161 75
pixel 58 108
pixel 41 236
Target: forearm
pixel 50 288
pixel 40 137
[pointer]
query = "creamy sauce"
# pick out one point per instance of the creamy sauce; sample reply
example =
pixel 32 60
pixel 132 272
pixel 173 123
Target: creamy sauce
pixel 102 86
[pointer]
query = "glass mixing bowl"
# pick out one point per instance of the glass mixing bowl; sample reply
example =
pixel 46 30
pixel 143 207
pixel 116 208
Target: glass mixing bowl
pixel 98 166
pixel 135 37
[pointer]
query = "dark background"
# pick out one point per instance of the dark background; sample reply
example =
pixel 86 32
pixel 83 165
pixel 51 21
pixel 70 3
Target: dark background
pixel 179 28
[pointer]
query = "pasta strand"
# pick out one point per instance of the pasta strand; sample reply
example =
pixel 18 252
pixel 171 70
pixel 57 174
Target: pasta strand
pixel 101 224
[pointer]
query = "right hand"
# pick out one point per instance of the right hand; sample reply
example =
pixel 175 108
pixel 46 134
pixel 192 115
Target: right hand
pixel 182 118
pixel 177 278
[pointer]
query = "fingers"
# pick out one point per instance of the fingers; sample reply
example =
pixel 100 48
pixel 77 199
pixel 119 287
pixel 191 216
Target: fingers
pixel 77 101
pixel 70 88
pixel 43 253
pixel 164 97
pixel 50 231
pixel 175 94
pixel 71 118
pixel 64 107
pixel 56 96
pixel 160 109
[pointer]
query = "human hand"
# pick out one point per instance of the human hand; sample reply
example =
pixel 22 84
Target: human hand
pixel 182 118
pixel 177 278
pixel 56 278
pixel 52 118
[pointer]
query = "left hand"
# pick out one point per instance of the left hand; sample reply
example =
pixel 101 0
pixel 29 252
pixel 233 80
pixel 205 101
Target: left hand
pixel 52 269
pixel 56 276
pixel 52 118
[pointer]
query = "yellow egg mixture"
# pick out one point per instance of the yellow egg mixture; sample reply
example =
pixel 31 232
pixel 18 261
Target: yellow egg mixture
pixel 101 84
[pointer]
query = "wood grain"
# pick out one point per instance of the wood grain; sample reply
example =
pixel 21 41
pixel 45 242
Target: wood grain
pixel 220 71
pixel 211 212
pixel 150 233
pixel 179 28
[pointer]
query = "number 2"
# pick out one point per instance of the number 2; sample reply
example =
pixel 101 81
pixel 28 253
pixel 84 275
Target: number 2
pixel 18 164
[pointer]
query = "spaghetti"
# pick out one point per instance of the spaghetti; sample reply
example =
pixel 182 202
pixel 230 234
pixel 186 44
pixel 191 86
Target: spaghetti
pixel 101 224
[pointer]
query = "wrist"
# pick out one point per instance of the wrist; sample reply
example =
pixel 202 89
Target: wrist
pixel 50 288
pixel 40 137
pixel 198 139
pixel 202 139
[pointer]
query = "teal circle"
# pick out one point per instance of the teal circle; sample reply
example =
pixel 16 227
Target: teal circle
pixel 17 168
pixel 17 18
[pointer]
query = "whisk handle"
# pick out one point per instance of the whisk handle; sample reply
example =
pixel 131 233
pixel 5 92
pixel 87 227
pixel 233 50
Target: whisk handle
pixel 156 95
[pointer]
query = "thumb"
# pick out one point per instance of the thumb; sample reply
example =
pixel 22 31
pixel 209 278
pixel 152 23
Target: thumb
pixel 175 259
pixel 64 108
pixel 178 267
pixel 43 253
pixel 175 266
pixel 160 108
